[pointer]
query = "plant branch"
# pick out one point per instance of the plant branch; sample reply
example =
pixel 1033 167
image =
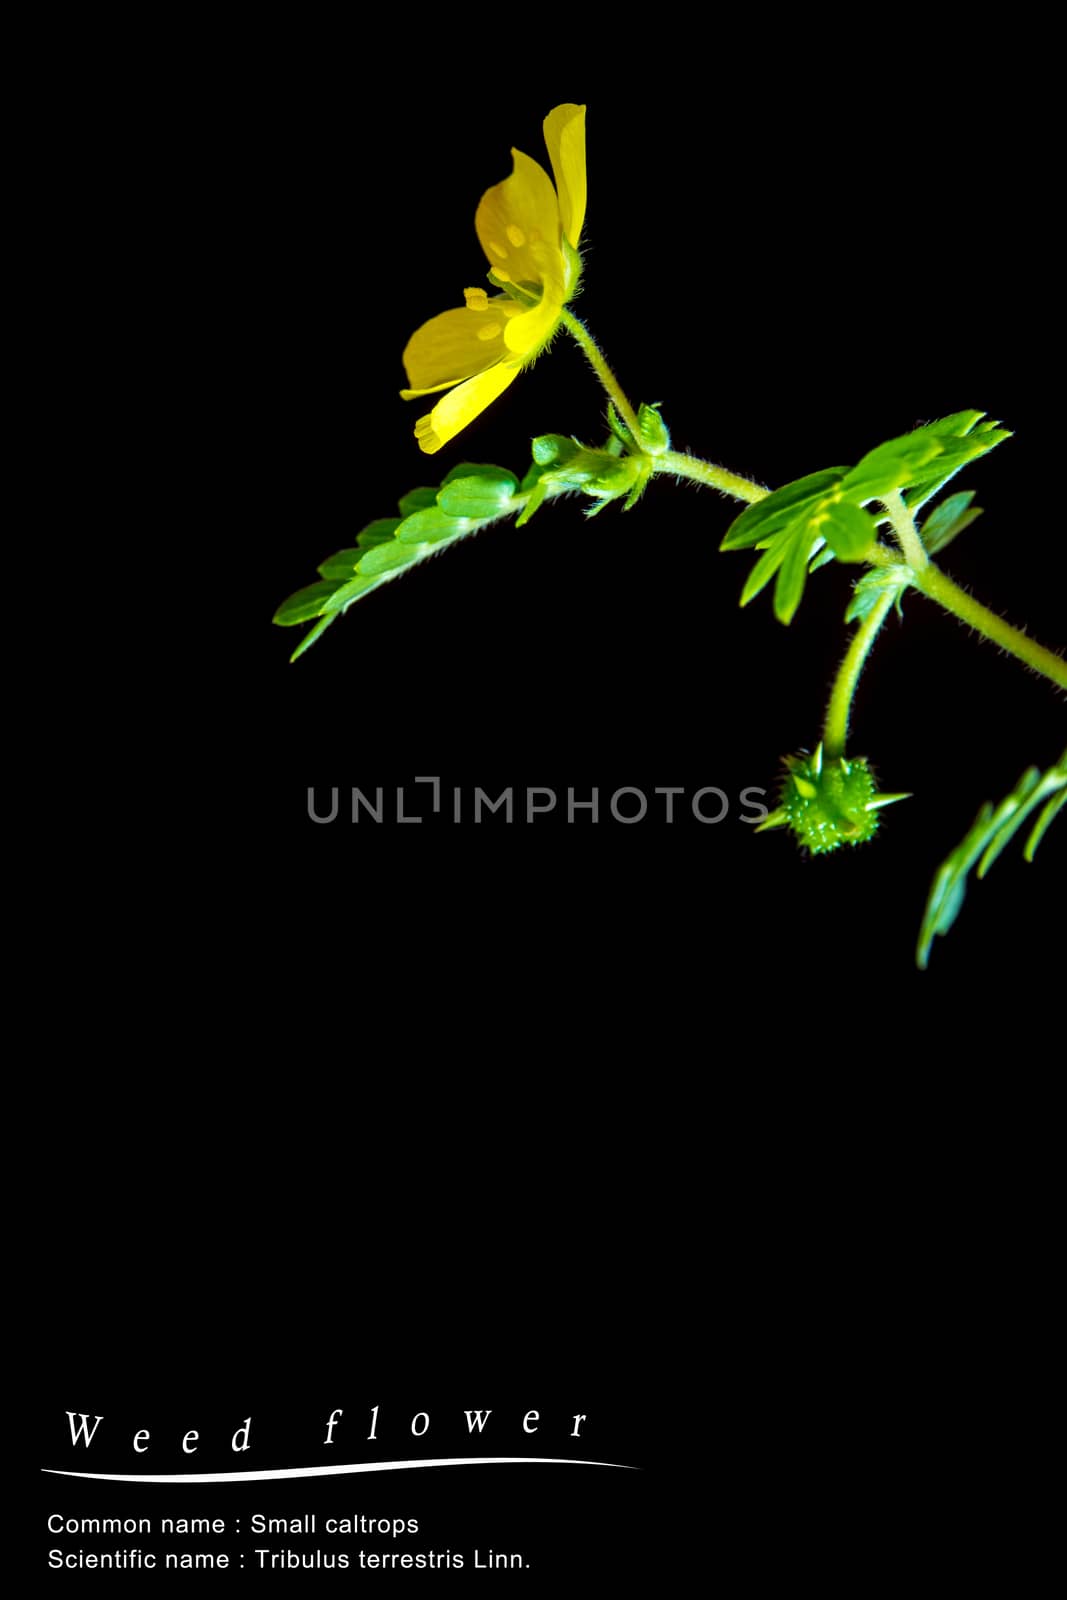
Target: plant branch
pixel 686 466
pixel 903 525
pixel 936 585
pixel 835 728
pixel 595 356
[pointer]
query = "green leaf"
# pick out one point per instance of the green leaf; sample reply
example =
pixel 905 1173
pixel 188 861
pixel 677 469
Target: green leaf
pixel 385 547
pixel 925 457
pixel 342 564
pixel 562 464
pixel 653 429
pixel 314 633
pixel 472 469
pixel 801 529
pixel 761 521
pixel 538 495
pixel 892 465
pixel 338 602
pixel 847 530
pixel 470 495
pixel 642 476
pixel 417 500
pixel 948 520
pixel 616 476
pixel 766 566
pixel 618 426
pixel 378 531
pixel 870 588
pixel 983 437
pixel 1009 817
pixel 549 448
pixel 481 492
pixel 809 515
pixel 992 829
pixel 957 424
pixel 955 453
pixel 389 557
pixel 949 887
pixel 305 603
pixel 428 527
pixel 792 576
pixel 354 590
pixel 597 470
pixel 1041 826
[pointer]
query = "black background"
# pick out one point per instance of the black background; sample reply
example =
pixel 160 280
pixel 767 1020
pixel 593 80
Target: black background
pixel 662 1116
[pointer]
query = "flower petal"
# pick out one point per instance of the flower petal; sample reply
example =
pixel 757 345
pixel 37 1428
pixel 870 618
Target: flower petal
pixel 460 406
pixel 456 345
pixel 565 139
pixel 526 335
pixel 518 227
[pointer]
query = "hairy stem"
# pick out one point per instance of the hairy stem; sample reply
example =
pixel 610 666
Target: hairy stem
pixel 683 466
pixel 933 583
pixel 594 355
pixel 835 728
pixel 907 535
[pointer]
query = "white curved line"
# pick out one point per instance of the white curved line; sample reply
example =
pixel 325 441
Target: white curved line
pixel 333 1472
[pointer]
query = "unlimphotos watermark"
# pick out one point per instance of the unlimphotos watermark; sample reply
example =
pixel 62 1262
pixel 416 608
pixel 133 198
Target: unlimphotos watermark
pixel 528 804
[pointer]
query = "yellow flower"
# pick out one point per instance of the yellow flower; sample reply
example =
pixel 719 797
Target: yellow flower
pixel 529 232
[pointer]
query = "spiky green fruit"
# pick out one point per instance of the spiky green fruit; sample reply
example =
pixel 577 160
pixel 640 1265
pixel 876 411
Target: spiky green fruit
pixel 828 803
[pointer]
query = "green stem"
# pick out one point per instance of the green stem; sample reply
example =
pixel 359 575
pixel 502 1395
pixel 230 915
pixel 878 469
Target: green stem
pixel 684 466
pixel 581 335
pixel 933 583
pixel 903 525
pixel 835 728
